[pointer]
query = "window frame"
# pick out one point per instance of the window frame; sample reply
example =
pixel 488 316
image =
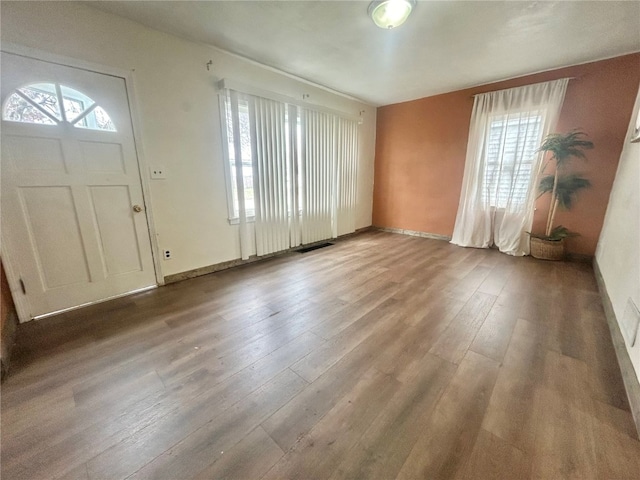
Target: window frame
pixel 226 85
pixel 81 121
pixel 232 218
pixel 494 202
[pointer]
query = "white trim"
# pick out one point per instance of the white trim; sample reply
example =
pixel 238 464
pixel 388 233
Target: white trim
pixel 225 155
pixel 62 60
pixel 21 302
pixel 415 233
pixel 241 87
pixel 237 156
pixel 290 75
pixel 143 169
pixel 88 304
pixel 236 220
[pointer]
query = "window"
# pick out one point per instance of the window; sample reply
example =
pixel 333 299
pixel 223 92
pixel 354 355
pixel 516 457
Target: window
pixel 511 149
pixel 290 169
pixel 247 160
pixel 497 198
pixel 39 103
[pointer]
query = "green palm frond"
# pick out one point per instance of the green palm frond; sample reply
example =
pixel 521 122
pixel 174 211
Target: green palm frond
pixel 546 184
pixel 562 186
pixel 563 146
pixel 566 188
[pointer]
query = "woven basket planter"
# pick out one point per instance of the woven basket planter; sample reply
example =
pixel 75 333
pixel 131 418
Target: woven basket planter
pixel 547 249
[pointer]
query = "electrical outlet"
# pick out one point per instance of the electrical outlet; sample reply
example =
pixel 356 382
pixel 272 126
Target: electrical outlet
pixel 158 173
pixel 167 254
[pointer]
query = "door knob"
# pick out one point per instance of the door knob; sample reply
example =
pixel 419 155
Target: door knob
pixel 137 208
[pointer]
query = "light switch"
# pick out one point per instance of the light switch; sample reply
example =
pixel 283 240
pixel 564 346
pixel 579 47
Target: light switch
pixel 158 173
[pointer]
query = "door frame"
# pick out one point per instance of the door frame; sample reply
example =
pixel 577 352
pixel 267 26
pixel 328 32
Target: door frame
pixel 20 300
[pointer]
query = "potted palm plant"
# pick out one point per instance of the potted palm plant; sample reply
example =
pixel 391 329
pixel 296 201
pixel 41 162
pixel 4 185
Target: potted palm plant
pixel 563 186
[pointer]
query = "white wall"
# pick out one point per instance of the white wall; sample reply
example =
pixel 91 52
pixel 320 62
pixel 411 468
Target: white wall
pixel 178 108
pixel 618 253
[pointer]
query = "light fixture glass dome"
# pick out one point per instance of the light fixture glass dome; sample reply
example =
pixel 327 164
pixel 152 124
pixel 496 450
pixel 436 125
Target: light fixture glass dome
pixel 390 13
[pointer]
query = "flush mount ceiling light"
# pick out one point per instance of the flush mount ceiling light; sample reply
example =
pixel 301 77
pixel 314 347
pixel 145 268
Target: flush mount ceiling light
pixel 390 13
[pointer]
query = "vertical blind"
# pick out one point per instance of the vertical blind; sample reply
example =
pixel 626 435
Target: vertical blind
pixel 293 168
pixel 317 162
pixel 345 176
pixel 268 129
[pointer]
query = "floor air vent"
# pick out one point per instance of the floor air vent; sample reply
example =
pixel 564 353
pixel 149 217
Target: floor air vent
pixel 313 247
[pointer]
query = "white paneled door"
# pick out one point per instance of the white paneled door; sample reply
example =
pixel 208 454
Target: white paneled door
pixel 74 226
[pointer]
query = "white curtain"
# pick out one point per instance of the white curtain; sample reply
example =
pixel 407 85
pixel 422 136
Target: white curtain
pixel 502 165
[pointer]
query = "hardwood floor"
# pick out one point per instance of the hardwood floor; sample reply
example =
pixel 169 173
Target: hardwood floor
pixel 383 356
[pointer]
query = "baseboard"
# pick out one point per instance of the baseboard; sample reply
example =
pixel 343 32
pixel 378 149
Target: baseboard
pixel 570 257
pixel 579 257
pixel 414 233
pixel 217 267
pixel 631 384
pixel 8 339
pixel 360 230
pixel 197 272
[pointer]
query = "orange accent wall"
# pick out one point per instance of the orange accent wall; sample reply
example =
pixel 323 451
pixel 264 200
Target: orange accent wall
pixel 6 301
pixel 421 147
pixel 7 321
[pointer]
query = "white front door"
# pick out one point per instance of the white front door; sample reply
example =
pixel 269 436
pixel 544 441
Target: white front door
pixel 73 219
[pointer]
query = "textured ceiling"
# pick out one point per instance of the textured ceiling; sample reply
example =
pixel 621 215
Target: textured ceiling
pixel 444 46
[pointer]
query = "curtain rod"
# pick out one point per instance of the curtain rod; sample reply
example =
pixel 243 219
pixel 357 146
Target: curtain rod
pixel 537 83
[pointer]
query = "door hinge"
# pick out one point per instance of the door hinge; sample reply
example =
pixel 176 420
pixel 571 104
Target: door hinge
pixel 24 290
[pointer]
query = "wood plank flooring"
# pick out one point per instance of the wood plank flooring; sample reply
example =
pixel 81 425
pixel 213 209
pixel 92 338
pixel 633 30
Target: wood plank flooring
pixel 383 356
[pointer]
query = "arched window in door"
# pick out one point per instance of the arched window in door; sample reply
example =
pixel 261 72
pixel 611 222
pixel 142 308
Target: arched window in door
pixel 40 103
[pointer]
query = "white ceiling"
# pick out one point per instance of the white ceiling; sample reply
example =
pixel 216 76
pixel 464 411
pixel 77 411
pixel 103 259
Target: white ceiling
pixel 444 46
